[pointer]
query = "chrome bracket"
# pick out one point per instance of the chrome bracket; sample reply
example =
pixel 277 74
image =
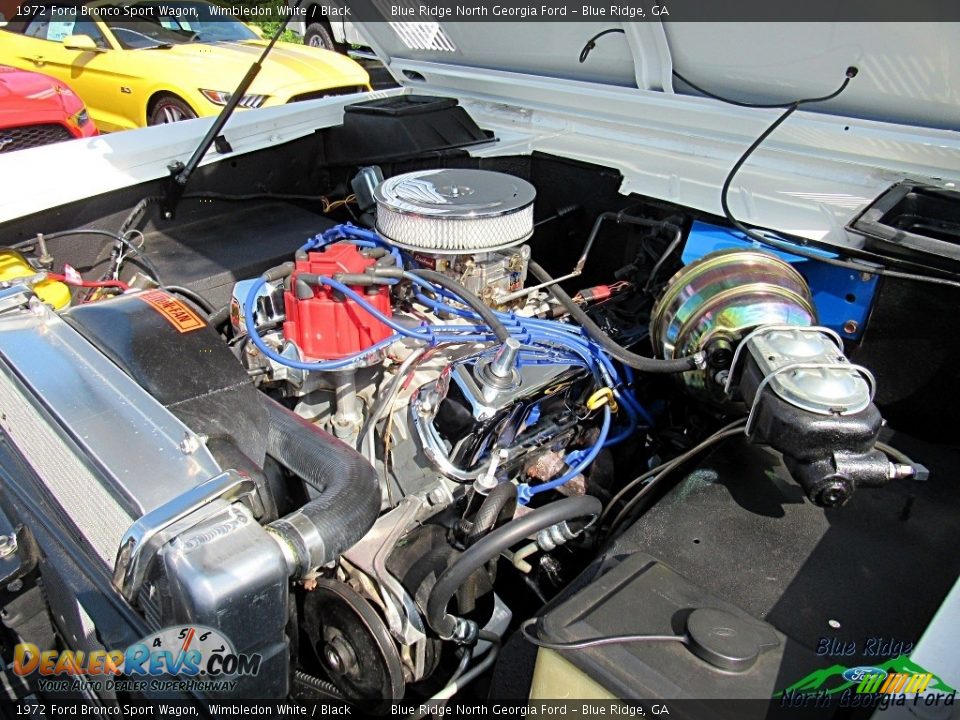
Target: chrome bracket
pixel 145 538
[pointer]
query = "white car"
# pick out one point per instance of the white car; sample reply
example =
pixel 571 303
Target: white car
pixel 320 27
pixel 599 360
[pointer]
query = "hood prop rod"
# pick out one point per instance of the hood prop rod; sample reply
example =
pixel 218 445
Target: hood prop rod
pixel 180 173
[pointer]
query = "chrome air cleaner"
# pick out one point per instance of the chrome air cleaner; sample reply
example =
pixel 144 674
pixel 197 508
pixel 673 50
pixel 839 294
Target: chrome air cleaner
pixel 455 211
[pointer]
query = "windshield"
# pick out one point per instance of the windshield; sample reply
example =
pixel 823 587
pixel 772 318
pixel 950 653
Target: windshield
pixel 200 21
pixel 137 34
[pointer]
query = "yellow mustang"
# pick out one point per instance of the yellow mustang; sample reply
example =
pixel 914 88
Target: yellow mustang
pixel 146 63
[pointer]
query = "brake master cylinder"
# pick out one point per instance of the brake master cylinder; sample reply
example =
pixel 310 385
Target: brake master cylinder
pixel 753 317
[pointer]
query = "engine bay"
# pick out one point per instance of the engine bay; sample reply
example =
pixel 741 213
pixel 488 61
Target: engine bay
pixel 452 417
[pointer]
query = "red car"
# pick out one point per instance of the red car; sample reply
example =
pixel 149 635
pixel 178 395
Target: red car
pixel 36 110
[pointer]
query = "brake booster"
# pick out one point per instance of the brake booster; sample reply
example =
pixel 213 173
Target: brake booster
pixel 752 314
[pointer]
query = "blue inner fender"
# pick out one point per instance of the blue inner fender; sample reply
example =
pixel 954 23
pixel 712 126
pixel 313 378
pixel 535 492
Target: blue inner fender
pixel 842 297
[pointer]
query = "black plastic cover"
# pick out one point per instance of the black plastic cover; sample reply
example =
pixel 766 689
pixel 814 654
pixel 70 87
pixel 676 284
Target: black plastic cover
pixel 644 596
pixel 186 367
pixel 400 128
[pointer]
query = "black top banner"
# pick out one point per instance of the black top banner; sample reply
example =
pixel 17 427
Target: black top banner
pixel 649 11
pixel 433 12
pixel 620 11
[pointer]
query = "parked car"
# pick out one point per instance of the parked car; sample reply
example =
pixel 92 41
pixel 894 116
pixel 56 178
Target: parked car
pixel 137 70
pixel 37 110
pixel 319 28
pixel 600 360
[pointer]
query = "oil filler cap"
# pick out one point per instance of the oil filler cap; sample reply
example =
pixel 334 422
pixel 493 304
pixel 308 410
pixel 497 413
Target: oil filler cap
pixel 726 641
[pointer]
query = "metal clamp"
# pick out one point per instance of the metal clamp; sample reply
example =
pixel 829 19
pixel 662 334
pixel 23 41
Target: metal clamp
pixel 370 556
pixel 763 330
pixel 14 296
pixel 432 445
pixel 866 374
pixel 142 542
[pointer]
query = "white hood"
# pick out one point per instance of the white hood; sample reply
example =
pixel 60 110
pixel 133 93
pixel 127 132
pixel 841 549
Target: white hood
pixel 624 107
pixel 909 72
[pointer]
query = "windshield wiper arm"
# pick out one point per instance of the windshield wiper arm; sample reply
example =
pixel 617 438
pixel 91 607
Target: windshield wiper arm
pixel 179 172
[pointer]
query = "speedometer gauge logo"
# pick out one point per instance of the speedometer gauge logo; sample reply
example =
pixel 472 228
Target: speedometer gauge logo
pixel 188 650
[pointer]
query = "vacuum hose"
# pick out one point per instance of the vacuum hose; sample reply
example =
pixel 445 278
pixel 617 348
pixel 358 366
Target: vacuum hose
pixel 349 500
pixel 637 362
pixel 500 502
pixel 487 548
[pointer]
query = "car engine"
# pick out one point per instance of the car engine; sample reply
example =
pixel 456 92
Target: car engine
pixel 403 439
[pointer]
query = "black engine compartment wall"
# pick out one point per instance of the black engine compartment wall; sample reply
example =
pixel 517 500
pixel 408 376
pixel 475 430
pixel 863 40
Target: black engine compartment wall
pixel 878 567
pixel 212 242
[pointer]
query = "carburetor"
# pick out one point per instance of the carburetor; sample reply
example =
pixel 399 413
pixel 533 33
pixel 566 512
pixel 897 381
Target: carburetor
pixel 467 224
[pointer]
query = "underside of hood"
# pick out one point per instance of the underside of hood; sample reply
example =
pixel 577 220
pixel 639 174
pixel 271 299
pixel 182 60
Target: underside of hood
pixel 909 73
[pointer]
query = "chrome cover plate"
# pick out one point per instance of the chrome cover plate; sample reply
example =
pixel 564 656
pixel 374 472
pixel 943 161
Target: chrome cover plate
pixel 808 369
pixel 134 454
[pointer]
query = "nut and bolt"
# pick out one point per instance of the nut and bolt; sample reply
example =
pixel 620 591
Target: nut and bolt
pixel 37 307
pixel 8 546
pixel 339 656
pixel 333 660
pixel 190 444
pixel 851 326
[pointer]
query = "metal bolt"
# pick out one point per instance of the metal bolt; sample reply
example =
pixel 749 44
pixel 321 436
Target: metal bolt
pixel 437 496
pixel 190 444
pixel 899 471
pixel 15 586
pixel 850 327
pixel 36 306
pixel 339 656
pixel 8 546
pixel 333 660
pixel 865 276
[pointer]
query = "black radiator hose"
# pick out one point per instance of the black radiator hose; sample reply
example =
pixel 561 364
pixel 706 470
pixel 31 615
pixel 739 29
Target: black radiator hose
pixel 487 548
pixel 501 501
pixel 349 500
pixel 596 333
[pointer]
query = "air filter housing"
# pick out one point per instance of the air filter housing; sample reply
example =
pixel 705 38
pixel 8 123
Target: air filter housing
pixel 455 211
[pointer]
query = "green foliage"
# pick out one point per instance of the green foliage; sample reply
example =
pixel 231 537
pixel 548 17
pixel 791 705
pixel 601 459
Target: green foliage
pixel 269 27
